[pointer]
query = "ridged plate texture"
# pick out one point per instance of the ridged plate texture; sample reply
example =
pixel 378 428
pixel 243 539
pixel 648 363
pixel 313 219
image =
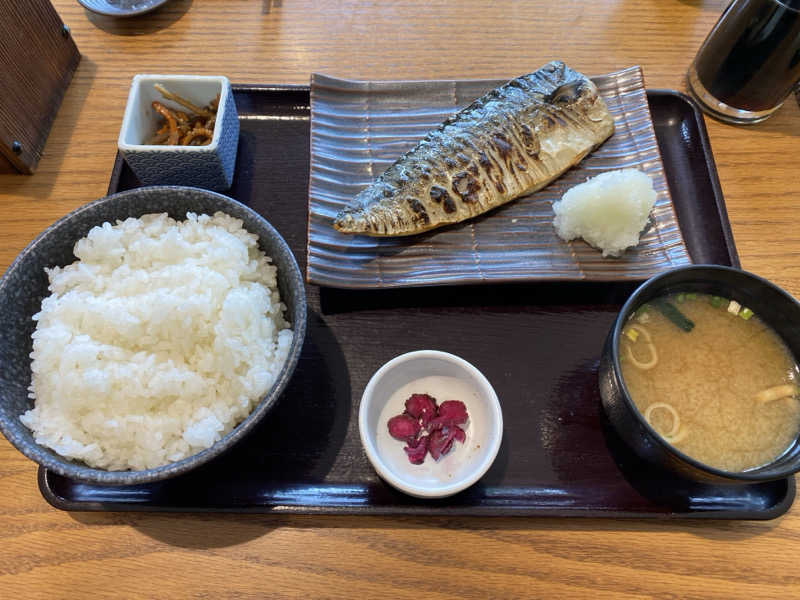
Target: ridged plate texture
pixel 358 128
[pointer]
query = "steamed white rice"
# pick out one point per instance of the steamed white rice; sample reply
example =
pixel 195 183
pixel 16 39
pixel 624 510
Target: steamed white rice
pixel 157 342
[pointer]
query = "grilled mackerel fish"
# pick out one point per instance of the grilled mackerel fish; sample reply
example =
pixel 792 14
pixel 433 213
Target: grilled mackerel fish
pixel 510 142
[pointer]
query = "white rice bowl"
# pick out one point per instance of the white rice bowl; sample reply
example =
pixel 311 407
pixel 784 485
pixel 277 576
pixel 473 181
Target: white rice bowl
pixel 156 343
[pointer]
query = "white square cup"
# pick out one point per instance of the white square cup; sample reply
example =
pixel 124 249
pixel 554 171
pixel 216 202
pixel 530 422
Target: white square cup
pixel 211 166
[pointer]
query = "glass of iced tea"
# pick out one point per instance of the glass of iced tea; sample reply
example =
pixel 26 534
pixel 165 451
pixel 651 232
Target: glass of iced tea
pixel 749 62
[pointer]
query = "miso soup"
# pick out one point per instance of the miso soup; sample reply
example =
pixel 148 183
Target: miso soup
pixel 712 379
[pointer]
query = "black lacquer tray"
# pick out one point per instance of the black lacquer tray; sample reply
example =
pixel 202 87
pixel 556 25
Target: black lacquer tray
pixel 538 343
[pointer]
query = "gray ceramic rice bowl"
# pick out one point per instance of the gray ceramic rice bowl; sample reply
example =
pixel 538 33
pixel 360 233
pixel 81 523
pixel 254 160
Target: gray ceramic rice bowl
pixel 25 283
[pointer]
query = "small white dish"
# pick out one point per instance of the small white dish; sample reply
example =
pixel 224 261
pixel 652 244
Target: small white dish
pixel 210 167
pixel 445 377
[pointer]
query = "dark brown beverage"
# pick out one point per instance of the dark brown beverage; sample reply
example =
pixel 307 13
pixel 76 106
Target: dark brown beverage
pixel 751 59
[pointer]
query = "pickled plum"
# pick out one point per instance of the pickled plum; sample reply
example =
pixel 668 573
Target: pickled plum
pixel 422 407
pixel 416 450
pixel 428 427
pixel 439 444
pixel 403 427
pixel 441 440
pixel 450 414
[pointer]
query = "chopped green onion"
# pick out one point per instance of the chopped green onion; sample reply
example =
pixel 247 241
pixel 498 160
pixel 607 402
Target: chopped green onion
pixel 717 301
pixel 691 296
pixel 642 309
pixel 680 297
pixel 631 334
pixel 734 307
pixel 674 315
pixel 745 313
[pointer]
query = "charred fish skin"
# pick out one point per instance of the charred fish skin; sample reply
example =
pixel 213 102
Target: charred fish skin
pixel 510 142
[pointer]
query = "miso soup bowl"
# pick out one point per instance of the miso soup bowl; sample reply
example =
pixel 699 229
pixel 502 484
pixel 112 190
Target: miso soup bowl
pixel 769 302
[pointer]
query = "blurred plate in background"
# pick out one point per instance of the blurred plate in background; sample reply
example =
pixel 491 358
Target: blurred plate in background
pixel 121 8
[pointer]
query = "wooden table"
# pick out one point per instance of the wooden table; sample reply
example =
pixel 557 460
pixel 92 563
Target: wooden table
pixel 44 552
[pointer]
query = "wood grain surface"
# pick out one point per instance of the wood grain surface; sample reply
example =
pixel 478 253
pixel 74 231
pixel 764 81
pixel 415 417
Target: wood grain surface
pixel 38 58
pixel 48 553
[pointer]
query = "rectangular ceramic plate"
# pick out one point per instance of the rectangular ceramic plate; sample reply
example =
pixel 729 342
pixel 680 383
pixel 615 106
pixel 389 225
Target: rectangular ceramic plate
pixel 537 342
pixel 358 128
